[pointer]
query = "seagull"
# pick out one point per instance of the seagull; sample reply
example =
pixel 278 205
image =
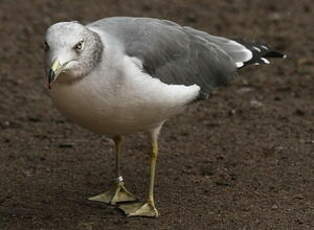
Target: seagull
pixel 123 75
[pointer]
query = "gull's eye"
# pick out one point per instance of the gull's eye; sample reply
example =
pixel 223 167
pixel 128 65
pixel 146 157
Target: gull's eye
pixel 79 46
pixel 46 46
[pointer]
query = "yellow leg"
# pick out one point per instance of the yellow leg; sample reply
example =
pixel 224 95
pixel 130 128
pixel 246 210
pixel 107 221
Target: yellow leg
pixel 147 208
pixel 151 200
pixel 118 193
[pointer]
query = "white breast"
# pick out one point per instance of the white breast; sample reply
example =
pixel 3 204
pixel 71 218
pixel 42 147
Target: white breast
pixel 121 102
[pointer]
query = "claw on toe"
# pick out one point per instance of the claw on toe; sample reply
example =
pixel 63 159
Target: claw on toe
pixel 115 195
pixel 147 209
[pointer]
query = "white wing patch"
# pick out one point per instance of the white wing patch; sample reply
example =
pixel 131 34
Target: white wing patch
pixel 257 49
pixel 239 64
pixel 265 60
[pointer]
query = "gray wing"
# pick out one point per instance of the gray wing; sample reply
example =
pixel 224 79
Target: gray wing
pixel 171 53
pixel 242 53
pixel 237 51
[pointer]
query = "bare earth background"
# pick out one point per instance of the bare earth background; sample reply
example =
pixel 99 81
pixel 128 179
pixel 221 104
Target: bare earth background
pixel 241 160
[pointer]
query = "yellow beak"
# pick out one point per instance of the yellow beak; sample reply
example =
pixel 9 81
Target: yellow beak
pixel 54 71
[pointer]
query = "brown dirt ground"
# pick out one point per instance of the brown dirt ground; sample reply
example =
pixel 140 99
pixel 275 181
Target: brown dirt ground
pixel 241 160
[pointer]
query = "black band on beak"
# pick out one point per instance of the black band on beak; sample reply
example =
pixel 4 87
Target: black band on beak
pixel 51 77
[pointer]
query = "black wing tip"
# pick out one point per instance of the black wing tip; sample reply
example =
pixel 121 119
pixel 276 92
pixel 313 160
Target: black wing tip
pixel 261 52
pixel 274 54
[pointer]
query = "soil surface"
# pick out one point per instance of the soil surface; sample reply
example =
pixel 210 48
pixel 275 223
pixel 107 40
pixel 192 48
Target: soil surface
pixel 241 160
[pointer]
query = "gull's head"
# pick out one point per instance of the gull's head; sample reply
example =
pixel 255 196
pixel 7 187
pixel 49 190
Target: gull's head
pixel 72 51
